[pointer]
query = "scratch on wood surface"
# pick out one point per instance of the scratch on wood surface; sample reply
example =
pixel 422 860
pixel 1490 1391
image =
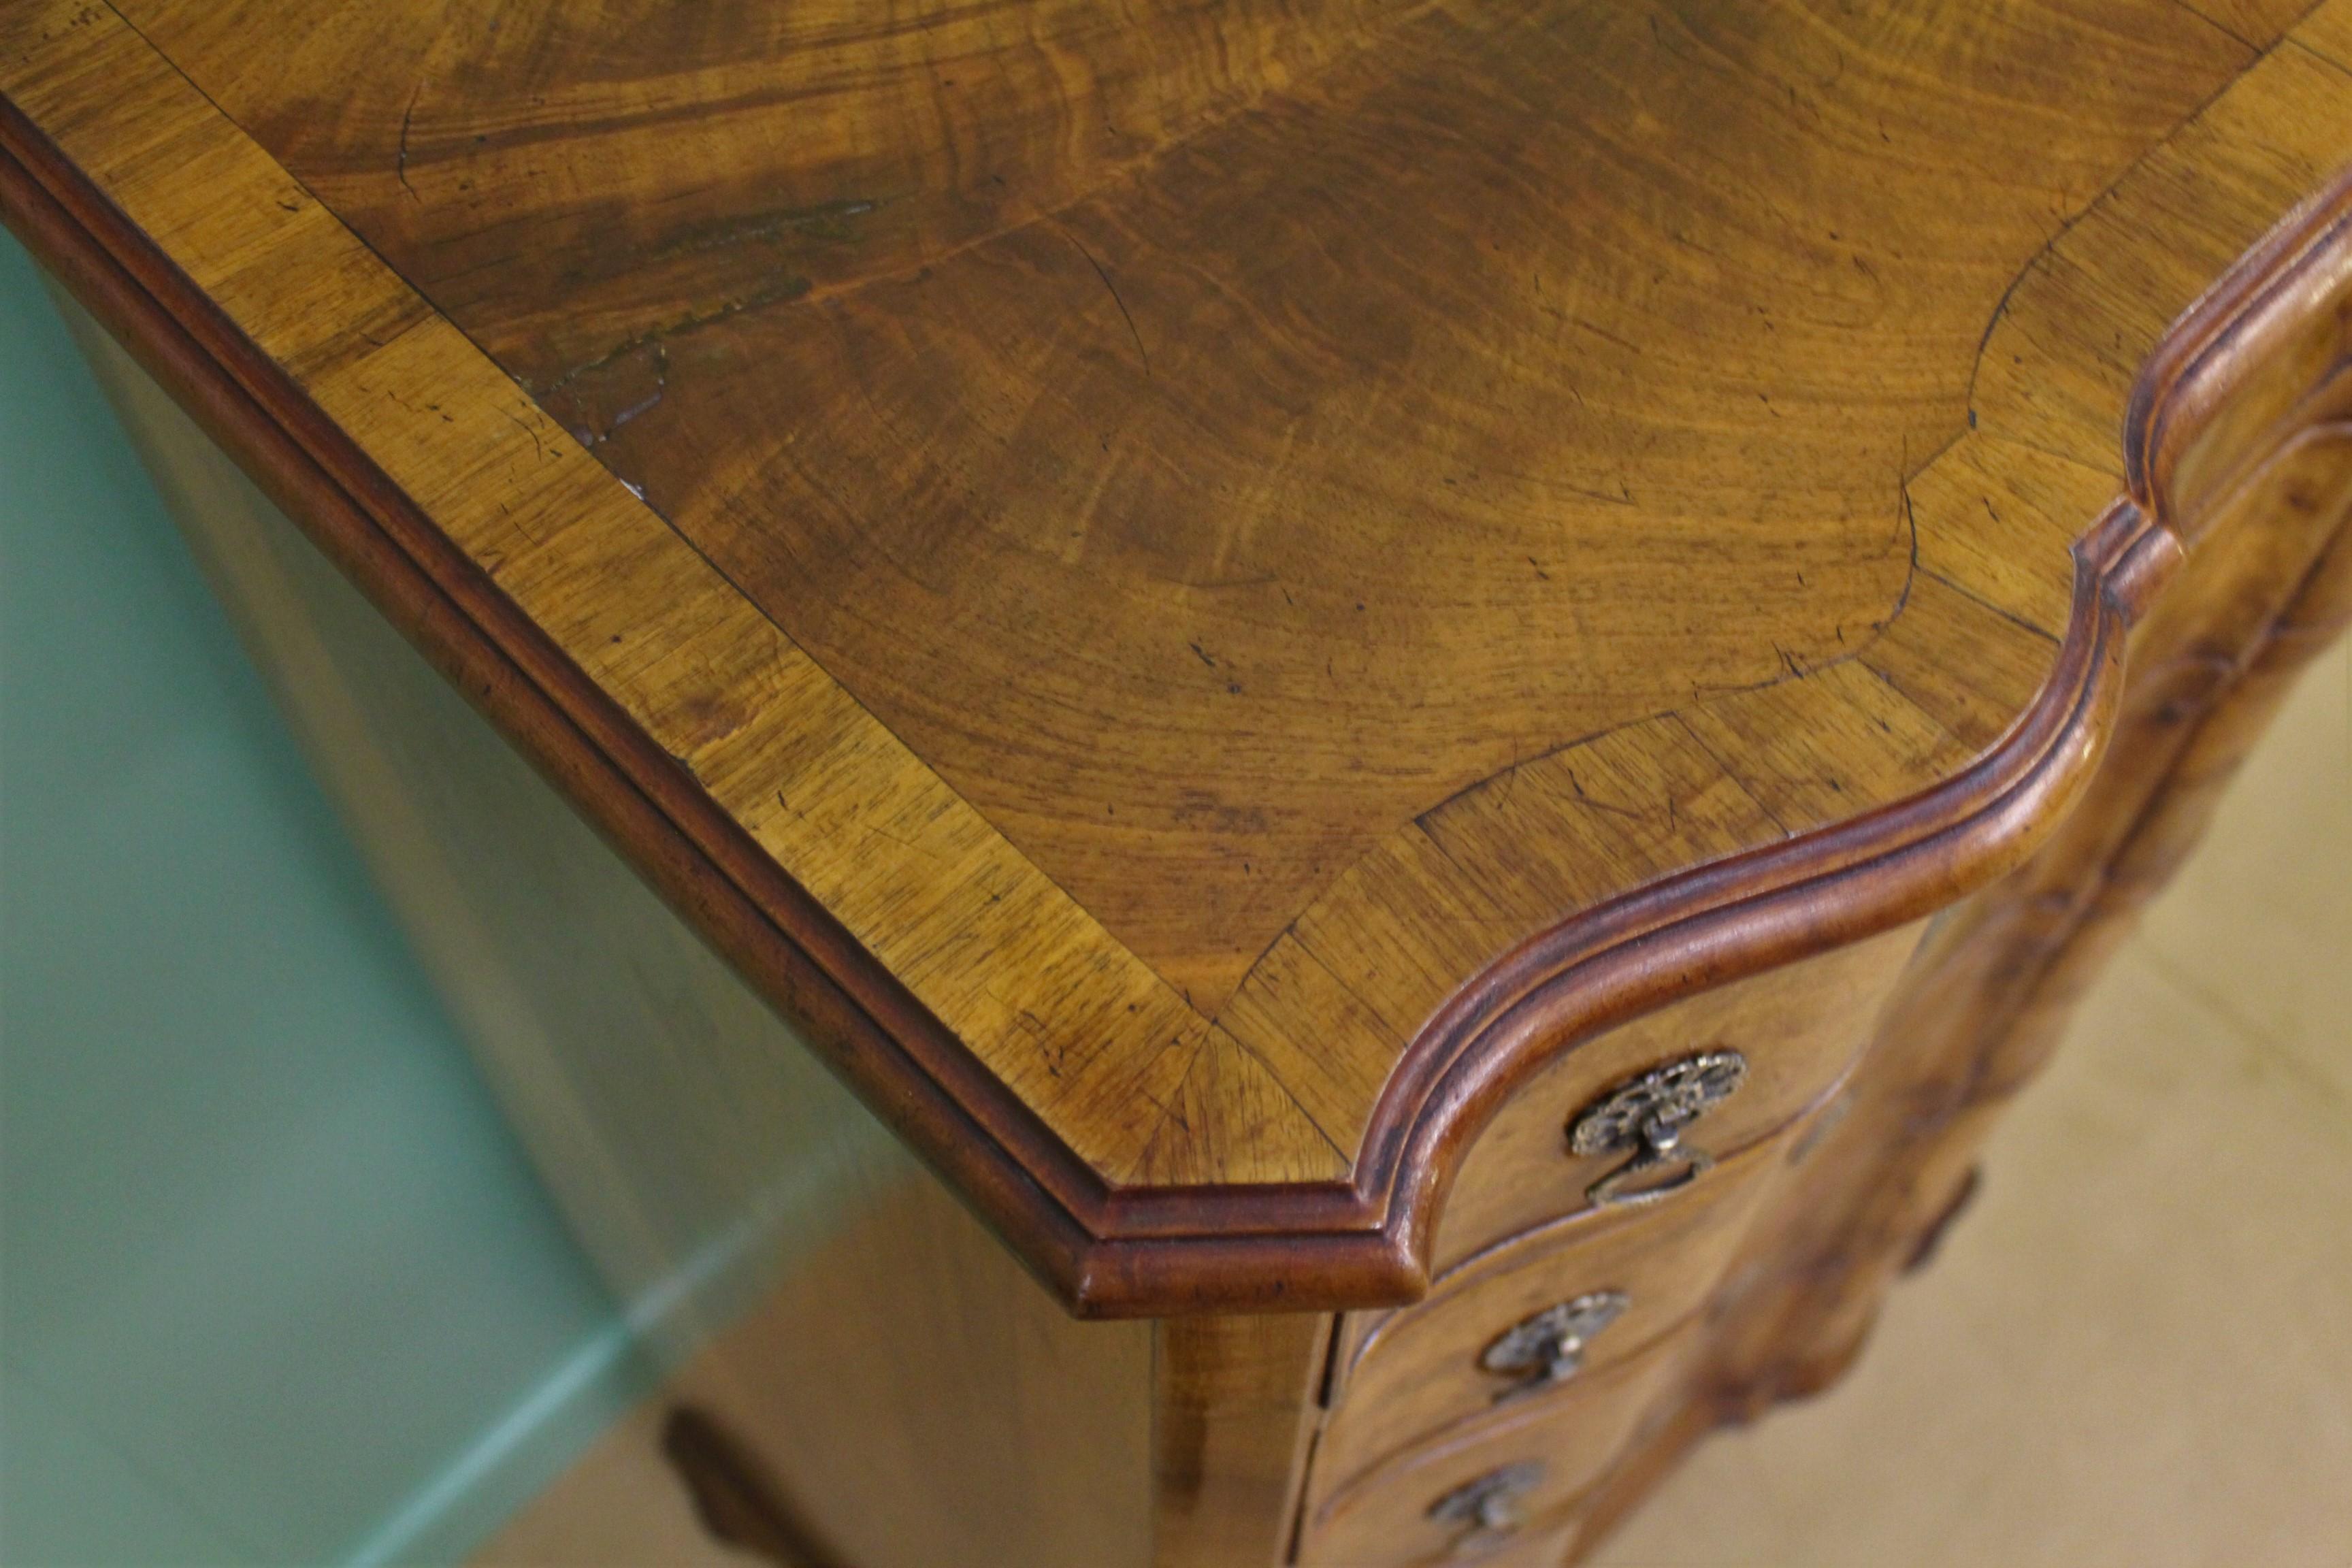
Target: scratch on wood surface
pixel 407 116
pixel 1141 353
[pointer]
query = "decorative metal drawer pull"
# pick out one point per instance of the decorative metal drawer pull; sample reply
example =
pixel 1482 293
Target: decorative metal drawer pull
pixel 1488 1509
pixel 1549 1348
pixel 1647 1118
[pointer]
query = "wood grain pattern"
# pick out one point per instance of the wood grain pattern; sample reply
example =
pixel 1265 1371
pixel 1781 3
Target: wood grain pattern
pixel 871 1379
pixel 1407 1376
pixel 1381 1518
pixel 1231 611
pixel 1800 1029
pixel 1418 392
pixel 918 1400
pixel 1195 599
pixel 2254 466
pixel 676 1121
pixel 573 727
pixel 1233 1405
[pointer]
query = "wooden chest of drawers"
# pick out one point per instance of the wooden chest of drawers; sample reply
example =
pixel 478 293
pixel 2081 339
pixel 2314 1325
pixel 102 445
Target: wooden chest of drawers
pixel 1259 784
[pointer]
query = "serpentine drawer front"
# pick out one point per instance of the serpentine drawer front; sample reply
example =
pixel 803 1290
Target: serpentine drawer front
pixel 1468 1491
pixel 1244 782
pixel 1538 1311
pixel 1726 1070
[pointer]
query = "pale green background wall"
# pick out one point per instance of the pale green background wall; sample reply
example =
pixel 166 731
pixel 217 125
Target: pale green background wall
pixel 276 1285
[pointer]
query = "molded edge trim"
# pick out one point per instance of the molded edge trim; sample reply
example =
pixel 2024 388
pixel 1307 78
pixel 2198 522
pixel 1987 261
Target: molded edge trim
pixel 2213 347
pixel 1157 1251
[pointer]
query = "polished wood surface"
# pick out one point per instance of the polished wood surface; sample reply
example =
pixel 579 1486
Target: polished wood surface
pixel 915 480
pixel 1213 437
pixel 1799 1030
pixel 1233 616
pixel 2268 584
pixel 1234 1403
pixel 1392 1516
pixel 914 1398
pixel 857 1374
pixel 684 1130
pixel 1408 1374
pixel 869 1379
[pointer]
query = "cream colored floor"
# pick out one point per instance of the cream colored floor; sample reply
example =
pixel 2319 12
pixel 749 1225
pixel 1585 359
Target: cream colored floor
pixel 2137 1351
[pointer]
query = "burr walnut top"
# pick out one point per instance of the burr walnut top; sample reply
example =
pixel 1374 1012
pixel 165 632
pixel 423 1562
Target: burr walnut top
pixel 1152 572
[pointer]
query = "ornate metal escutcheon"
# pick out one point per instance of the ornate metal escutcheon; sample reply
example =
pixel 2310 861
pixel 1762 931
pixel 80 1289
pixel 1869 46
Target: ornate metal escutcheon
pixel 1646 1119
pixel 1488 1509
pixel 1549 1348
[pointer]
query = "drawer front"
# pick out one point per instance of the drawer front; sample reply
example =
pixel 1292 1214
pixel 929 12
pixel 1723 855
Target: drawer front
pixel 1493 1485
pixel 1647 1114
pixel 1544 1546
pixel 1530 1319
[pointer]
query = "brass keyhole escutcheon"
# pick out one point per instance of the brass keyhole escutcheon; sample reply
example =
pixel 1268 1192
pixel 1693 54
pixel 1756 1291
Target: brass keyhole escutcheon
pixel 1646 1119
